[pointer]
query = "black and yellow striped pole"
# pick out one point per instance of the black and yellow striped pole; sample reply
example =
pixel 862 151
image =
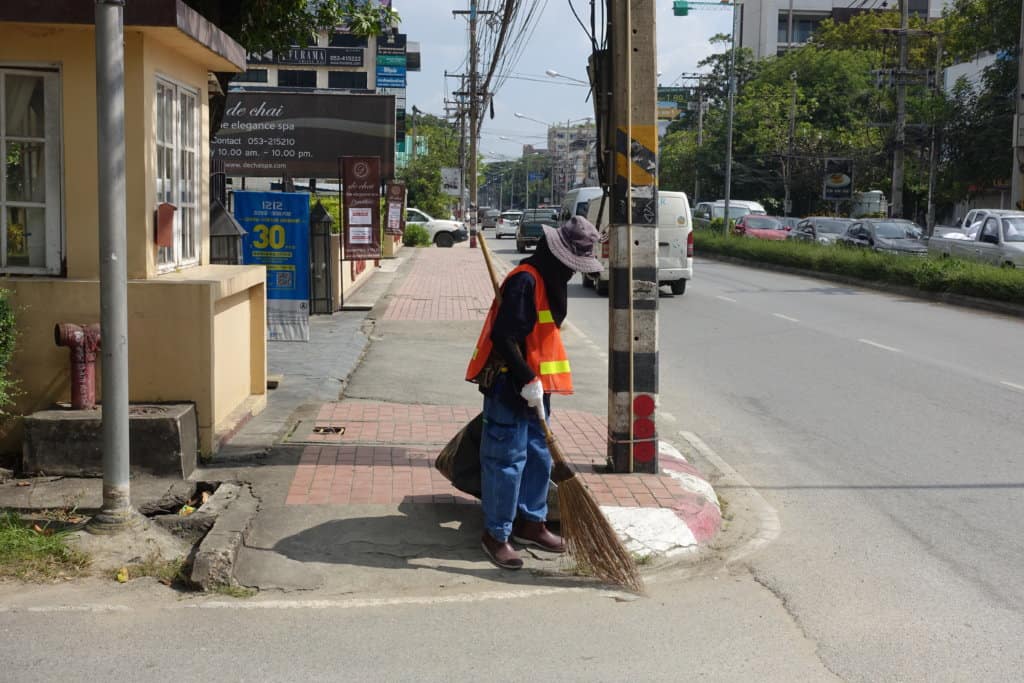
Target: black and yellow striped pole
pixel 633 239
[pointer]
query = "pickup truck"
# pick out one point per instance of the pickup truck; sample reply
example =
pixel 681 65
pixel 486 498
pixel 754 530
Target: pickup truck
pixel 998 240
pixel 970 223
pixel 531 227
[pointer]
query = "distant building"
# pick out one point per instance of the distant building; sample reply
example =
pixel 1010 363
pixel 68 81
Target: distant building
pixel 764 24
pixel 573 148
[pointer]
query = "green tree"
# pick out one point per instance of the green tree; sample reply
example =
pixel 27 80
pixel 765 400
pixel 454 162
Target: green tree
pixel 422 175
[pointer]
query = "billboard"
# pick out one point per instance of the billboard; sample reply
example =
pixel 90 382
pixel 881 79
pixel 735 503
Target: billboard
pixel 451 181
pixel 837 185
pixel 360 178
pixel 277 236
pixel 310 56
pixel 271 133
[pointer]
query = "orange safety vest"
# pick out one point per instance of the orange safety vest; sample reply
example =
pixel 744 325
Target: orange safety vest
pixel 545 354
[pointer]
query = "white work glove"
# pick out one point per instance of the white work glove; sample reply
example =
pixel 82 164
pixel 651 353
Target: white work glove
pixel 533 393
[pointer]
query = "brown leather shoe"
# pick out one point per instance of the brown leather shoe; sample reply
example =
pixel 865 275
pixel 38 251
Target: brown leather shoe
pixel 537 534
pixel 501 552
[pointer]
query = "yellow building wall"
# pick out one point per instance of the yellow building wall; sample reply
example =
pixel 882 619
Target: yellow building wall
pixel 184 345
pixel 195 335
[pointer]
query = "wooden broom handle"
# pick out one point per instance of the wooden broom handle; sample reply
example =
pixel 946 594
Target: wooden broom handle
pixel 490 266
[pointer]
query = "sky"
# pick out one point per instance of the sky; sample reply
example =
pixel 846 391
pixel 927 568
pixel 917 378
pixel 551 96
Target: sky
pixel 559 44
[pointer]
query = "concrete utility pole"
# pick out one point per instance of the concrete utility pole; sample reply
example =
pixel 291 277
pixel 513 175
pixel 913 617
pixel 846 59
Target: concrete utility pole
pixel 787 203
pixel 730 115
pixel 633 240
pixel 700 137
pixel 475 99
pixel 116 514
pixel 900 137
pixel 1017 177
pixel 933 165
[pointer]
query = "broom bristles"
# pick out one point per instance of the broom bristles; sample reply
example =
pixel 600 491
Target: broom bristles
pixel 591 540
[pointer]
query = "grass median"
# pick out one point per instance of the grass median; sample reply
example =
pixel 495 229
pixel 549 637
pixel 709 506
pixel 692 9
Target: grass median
pixel 927 274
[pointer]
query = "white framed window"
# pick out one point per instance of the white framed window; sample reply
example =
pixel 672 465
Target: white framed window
pixel 30 193
pixel 177 161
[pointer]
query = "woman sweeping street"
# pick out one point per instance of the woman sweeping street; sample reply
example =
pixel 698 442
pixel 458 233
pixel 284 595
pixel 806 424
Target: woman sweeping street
pixel 519 361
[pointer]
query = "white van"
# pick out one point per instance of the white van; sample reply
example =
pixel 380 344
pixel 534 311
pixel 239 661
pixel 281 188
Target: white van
pixel 576 201
pixel 738 208
pixel 675 242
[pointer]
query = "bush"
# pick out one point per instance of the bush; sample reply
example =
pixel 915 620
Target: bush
pixel 7 337
pixel 927 274
pixel 416 236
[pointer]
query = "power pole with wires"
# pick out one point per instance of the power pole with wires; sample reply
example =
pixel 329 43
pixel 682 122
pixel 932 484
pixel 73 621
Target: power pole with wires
pixel 632 138
pixel 900 132
pixel 476 97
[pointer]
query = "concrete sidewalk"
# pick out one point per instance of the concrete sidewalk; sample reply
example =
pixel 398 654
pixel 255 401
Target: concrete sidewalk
pixel 342 459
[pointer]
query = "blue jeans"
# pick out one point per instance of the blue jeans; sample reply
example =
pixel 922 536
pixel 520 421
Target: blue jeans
pixel 515 465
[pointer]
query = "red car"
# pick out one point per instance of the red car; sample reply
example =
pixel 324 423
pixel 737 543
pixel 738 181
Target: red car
pixel 761 227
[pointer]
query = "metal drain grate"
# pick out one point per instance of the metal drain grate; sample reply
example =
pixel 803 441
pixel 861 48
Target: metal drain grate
pixel 328 429
pixel 309 432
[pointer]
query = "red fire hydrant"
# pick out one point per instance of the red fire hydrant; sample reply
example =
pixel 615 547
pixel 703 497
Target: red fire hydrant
pixel 84 342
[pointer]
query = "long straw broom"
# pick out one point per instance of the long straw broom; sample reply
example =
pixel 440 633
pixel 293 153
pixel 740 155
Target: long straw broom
pixel 589 538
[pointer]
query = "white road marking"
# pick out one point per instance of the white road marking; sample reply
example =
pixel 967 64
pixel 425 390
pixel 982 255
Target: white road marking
pixel 725 298
pixel 785 317
pixel 769 526
pixel 353 603
pixel 1018 387
pixel 880 346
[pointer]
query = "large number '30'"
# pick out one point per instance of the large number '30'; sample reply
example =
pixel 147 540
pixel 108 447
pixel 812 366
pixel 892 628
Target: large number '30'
pixel 272 237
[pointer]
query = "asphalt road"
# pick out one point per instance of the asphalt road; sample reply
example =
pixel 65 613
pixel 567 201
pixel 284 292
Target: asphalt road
pixel 888 435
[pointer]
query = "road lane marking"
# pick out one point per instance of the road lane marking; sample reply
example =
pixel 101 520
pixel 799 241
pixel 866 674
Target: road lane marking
pixel 725 298
pixel 880 346
pixel 1018 387
pixel 785 317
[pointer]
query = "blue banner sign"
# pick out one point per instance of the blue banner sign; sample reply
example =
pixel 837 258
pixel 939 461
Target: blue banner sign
pixel 277 236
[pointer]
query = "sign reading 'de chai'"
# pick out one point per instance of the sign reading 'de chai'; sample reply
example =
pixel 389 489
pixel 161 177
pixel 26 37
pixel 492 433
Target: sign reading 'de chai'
pixel 360 180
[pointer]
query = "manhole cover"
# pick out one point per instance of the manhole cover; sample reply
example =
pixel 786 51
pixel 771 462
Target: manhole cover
pixel 310 432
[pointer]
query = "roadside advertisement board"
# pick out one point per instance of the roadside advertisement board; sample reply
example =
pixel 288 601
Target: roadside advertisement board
pixel 273 134
pixel 277 236
pixel 451 181
pixel 311 56
pixel 360 180
pixel 395 216
pixel 837 185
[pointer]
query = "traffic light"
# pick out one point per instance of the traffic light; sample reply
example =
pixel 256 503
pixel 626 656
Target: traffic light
pixel 680 8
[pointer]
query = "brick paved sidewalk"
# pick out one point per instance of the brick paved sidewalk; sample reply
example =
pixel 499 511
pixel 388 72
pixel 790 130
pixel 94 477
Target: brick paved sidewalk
pixel 445 284
pixel 386 452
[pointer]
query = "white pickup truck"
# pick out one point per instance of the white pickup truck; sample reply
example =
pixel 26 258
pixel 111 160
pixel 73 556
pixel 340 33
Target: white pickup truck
pixel 997 240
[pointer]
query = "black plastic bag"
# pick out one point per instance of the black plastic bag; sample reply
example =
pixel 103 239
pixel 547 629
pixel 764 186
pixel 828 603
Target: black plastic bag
pixel 459 460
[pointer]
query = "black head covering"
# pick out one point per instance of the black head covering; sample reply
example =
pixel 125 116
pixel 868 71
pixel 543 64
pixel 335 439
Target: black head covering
pixel 556 279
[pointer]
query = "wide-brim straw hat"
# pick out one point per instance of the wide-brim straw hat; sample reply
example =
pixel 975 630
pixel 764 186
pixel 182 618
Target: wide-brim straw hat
pixel 573 244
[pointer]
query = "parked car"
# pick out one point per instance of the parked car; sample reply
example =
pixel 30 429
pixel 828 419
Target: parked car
pixel 675 242
pixel 820 229
pixel 998 241
pixel 883 235
pixel 761 227
pixel 443 233
pixel 705 212
pixel 507 223
pixel 531 227
pixel 488 217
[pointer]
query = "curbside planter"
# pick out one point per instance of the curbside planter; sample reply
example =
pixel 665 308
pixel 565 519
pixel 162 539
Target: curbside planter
pixel 214 561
